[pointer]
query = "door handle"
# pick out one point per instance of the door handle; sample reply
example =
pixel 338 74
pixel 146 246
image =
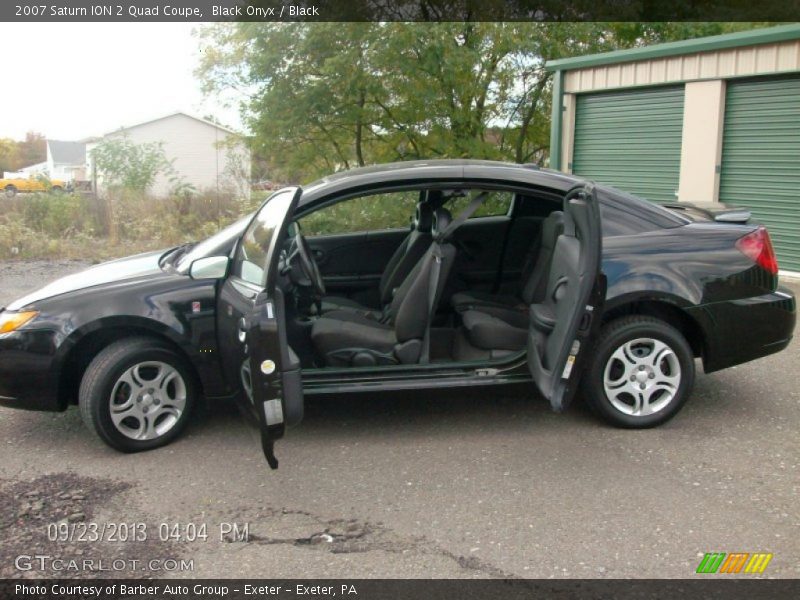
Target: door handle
pixel 319 256
pixel 242 330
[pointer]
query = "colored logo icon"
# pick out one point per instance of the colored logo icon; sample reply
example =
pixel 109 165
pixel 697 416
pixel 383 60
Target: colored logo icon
pixel 735 562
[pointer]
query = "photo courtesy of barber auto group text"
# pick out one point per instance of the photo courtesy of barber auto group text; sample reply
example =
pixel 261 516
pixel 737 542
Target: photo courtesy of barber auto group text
pixel 399 299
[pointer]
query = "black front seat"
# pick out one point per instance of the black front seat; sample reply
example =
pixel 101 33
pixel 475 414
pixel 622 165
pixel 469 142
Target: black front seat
pixel 349 338
pixel 533 282
pixel 407 255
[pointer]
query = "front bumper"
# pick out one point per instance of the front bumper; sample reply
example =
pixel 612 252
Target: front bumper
pixel 746 329
pixel 28 374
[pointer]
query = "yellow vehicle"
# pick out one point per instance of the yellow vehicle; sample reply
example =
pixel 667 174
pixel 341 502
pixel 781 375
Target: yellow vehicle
pixel 32 184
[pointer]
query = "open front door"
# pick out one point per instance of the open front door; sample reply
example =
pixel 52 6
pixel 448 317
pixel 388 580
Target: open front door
pixel 564 324
pixel 275 385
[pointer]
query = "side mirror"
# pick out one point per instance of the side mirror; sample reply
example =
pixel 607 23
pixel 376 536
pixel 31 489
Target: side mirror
pixel 211 267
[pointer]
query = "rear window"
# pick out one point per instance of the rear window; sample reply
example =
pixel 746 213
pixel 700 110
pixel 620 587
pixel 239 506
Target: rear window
pixel 625 214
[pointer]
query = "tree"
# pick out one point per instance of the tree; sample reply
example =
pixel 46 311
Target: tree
pixel 15 155
pixel 320 97
pixel 125 164
pixel 33 149
pixel 9 155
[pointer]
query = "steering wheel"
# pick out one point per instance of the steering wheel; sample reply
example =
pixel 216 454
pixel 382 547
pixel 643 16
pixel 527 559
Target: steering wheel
pixel 308 264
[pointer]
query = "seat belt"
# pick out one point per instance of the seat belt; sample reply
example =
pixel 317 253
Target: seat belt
pixel 436 268
pixel 433 286
pixel 462 217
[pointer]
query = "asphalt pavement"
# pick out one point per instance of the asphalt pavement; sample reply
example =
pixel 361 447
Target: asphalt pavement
pixel 414 485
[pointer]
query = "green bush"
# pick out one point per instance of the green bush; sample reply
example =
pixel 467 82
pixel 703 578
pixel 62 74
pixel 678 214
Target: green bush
pixel 17 240
pixel 58 215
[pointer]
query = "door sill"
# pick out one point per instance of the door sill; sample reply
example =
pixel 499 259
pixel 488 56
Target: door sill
pixel 405 377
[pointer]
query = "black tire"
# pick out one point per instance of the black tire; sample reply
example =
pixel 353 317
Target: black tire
pixel 56 189
pixel 614 336
pixel 11 191
pixel 100 381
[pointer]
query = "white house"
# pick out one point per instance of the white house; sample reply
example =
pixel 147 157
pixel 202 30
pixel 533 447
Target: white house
pixel 204 155
pixel 66 161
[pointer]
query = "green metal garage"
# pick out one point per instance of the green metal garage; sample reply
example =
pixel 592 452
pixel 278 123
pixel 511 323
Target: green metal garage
pixel 713 119
pixel 761 158
pixel 631 139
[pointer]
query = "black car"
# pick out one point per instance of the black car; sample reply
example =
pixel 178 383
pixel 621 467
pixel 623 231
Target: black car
pixel 506 274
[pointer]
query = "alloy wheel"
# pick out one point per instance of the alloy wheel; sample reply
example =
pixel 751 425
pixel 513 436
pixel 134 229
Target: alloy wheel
pixel 642 377
pixel 147 400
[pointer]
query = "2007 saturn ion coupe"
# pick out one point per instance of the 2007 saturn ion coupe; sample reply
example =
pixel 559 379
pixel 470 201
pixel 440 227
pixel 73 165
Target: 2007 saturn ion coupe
pixel 508 274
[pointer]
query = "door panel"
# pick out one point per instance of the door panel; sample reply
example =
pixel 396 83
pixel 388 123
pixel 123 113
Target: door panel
pixel 252 333
pixel 352 263
pixel 523 232
pixel 563 325
pixel 236 298
pixel 480 251
pixel 277 389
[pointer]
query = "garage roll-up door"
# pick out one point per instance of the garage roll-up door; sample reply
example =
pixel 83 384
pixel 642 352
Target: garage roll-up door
pixel 631 140
pixel 761 158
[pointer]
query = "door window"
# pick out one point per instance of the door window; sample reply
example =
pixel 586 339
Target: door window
pixel 257 244
pixel 498 204
pixel 392 210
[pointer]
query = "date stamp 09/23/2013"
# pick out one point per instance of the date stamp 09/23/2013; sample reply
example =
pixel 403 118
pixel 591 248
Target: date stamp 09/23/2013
pixel 141 532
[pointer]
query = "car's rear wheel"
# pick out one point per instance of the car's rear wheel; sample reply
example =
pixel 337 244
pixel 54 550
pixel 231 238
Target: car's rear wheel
pixel 137 394
pixel 56 189
pixel 11 191
pixel 641 374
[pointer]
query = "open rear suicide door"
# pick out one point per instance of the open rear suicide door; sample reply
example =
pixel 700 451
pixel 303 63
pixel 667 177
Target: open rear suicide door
pixel 563 326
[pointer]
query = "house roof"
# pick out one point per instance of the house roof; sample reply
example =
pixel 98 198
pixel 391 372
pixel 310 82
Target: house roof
pixel 173 114
pixel 753 37
pixel 67 153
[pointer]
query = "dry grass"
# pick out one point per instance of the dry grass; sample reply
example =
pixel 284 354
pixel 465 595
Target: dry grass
pixel 42 226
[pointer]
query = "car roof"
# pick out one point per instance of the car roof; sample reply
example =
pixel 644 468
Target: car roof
pixel 433 170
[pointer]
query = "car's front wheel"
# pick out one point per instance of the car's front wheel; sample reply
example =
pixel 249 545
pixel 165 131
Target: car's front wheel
pixel 137 394
pixel 11 191
pixel 641 374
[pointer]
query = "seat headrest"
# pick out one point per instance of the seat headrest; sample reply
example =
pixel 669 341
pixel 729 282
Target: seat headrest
pixel 552 227
pixel 441 219
pixel 423 219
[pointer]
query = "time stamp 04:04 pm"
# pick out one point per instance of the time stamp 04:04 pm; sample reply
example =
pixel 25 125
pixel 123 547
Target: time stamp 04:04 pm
pixel 151 11
pixel 141 532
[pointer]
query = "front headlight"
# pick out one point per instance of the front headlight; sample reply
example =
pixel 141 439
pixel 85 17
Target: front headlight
pixel 11 321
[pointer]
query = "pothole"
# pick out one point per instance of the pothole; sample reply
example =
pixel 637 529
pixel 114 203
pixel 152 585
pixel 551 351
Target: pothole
pixel 61 517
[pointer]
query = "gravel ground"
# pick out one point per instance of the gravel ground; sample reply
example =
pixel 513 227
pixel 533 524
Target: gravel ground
pixel 18 277
pixel 416 486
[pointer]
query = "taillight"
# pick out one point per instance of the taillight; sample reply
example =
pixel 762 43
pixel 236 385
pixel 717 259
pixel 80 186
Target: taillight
pixel 758 247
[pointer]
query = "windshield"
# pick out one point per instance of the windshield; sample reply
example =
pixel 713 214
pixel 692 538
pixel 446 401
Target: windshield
pixel 219 244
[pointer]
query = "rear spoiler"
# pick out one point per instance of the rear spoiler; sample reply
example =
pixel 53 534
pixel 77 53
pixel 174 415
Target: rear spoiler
pixel 714 211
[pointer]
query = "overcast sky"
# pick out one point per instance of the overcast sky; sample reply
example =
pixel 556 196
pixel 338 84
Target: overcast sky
pixel 74 80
